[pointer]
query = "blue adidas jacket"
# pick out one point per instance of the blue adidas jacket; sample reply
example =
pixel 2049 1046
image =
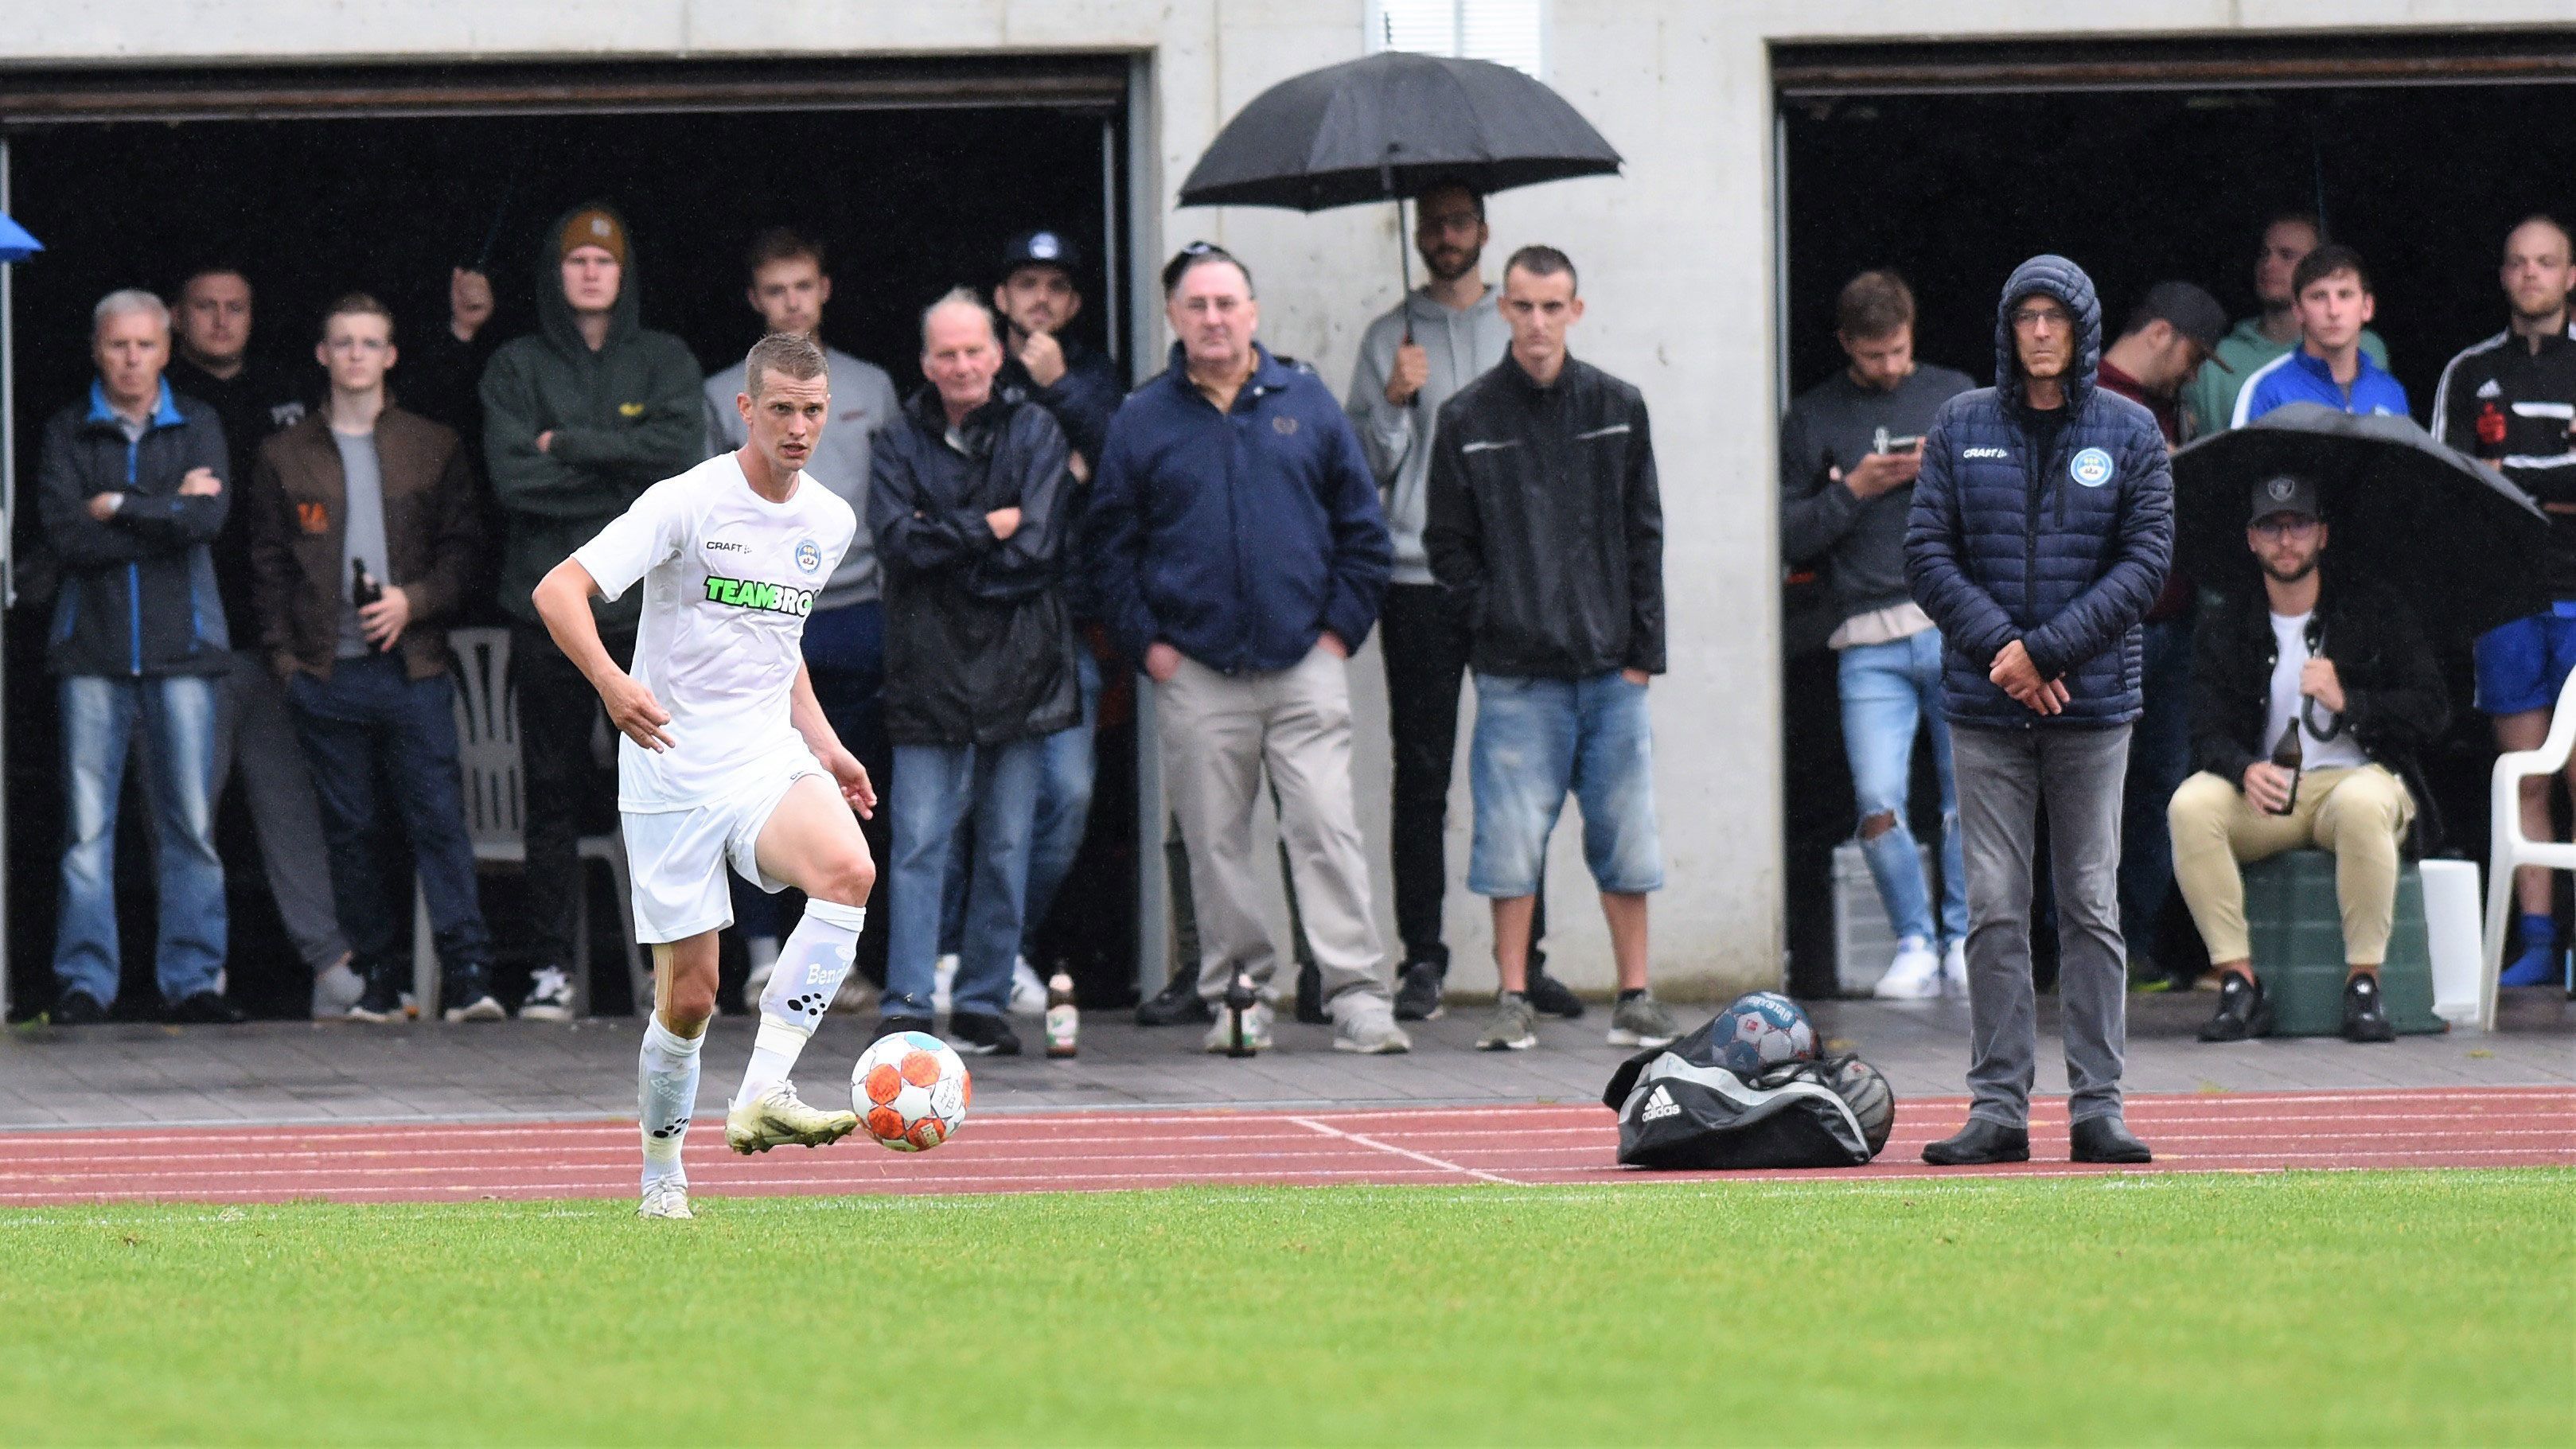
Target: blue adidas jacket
pixel 1236 537
pixel 2064 550
pixel 2294 376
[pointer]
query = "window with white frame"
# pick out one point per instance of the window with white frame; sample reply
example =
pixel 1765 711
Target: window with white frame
pixel 1512 32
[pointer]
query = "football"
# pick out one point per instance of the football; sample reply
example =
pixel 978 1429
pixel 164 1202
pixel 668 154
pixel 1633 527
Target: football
pixel 910 1091
pixel 1763 1029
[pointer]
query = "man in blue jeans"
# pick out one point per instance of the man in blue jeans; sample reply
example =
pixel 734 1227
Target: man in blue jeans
pixel 1546 532
pixel 1849 451
pixel 968 508
pixel 363 541
pixel 131 489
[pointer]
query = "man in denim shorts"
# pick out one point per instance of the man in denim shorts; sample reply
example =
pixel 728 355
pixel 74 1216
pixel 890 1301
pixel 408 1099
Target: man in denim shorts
pixel 1546 533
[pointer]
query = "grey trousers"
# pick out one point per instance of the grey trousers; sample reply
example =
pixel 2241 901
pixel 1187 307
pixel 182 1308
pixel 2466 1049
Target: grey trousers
pixel 2006 777
pixel 1218 734
pixel 256 735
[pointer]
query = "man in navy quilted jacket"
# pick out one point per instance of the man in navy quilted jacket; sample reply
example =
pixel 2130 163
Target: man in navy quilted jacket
pixel 2041 530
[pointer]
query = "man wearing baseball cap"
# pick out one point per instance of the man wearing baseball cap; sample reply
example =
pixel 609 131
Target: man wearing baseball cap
pixel 2340 666
pixel 2172 333
pixel 579 418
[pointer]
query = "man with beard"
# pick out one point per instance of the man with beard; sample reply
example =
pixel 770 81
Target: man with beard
pixel 1444 335
pixel 2347 667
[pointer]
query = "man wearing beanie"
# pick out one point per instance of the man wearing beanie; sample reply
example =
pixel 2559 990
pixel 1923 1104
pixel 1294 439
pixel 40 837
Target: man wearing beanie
pixel 580 417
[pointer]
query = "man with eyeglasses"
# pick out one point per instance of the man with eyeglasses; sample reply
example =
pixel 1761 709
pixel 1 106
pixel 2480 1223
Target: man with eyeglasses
pixel 2041 531
pixel 2342 661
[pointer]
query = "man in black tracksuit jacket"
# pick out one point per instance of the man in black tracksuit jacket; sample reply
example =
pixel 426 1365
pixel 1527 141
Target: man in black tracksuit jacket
pixel 1545 529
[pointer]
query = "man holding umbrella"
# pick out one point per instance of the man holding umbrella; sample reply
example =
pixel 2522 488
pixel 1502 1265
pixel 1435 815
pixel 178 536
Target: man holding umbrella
pixel 2349 670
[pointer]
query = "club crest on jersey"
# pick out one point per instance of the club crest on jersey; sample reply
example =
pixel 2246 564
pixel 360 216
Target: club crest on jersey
pixel 2091 468
pixel 809 556
pixel 767 598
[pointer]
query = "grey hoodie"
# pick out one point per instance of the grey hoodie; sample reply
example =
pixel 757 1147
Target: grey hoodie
pixel 1462 346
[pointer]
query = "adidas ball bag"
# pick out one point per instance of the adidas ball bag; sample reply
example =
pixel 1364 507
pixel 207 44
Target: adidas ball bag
pixel 1684 1106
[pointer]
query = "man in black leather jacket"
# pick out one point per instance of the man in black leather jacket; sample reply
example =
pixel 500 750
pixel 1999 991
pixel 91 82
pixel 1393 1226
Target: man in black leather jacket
pixel 2344 663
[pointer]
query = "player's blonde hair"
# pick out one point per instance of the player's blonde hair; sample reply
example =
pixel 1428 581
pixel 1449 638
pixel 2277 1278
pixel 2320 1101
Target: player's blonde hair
pixel 789 354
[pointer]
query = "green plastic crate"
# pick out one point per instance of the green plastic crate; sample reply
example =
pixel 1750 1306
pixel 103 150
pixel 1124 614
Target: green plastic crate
pixel 2297 931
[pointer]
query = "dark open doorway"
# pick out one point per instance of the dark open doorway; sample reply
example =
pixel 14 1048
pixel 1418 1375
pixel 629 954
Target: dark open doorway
pixel 1952 186
pixel 909 201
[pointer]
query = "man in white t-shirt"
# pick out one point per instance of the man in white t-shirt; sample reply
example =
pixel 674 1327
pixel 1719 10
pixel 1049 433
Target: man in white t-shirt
pixel 2344 662
pixel 727 757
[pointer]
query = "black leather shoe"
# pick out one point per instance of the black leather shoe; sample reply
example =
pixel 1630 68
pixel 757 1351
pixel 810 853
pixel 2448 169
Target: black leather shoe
pixel 2244 1011
pixel 977 1035
pixel 1417 992
pixel 2106 1139
pixel 1310 996
pixel 1551 997
pixel 77 1008
pixel 1980 1141
pixel 897 1025
pixel 1177 1004
pixel 2364 1018
pixel 206 1008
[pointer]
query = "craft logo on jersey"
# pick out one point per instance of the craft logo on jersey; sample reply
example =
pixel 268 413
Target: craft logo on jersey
pixel 809 556
pixel 2092 468
pixel 1660 1106
pixel 767 598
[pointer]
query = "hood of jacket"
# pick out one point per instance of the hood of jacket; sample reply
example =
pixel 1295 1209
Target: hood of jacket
pixel 554 311
pixel 2049 275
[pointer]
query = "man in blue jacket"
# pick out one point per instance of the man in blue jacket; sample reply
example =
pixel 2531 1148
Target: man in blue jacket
pixel 132 486
pixel 1240 555
pixel 2329 365
pixel 2041 531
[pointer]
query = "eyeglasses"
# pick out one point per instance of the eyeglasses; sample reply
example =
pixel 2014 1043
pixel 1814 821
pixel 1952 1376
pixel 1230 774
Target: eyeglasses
pixel 2031 319
pixel 2282 525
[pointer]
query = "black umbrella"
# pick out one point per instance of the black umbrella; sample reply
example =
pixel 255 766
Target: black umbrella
pixel 2443 529
pixel 1384 127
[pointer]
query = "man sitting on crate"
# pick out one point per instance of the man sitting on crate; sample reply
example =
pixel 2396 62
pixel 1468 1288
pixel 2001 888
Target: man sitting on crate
pixel 2345 659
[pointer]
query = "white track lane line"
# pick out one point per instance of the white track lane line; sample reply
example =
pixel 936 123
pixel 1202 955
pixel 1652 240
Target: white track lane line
pixel 1366 1141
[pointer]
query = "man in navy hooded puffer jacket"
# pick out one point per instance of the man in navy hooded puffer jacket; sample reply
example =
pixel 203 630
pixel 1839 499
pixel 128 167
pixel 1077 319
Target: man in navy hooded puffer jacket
pixel 2041 531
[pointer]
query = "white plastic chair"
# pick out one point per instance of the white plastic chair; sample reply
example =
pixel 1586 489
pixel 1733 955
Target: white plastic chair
pixel 2511 849
pixel 487 752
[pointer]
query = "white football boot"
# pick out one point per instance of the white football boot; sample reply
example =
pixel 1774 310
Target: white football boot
pixel 778 1117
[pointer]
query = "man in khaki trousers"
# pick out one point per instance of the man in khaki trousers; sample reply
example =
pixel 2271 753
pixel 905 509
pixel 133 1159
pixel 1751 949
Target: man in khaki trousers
pixel 2344 665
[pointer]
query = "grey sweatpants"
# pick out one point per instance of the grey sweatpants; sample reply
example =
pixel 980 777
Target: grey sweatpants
pixel 2006 777
pixel 1219 734
pixel 256 735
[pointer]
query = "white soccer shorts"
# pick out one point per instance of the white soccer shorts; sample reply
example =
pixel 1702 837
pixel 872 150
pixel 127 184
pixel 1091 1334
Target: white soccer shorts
pixel 677 858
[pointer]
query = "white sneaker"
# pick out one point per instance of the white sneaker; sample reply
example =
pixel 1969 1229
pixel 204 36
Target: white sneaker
pixel 481 1008
pixel 943 982
pixel 1915 976
pixel 1371 1030
pixel 1256 1029
pixel 549 996
pixel 1954 968
pixel 336 988
pixel 667 1197
pixel 1028 993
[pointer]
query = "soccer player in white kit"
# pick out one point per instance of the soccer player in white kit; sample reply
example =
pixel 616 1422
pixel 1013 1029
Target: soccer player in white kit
pixel 727 758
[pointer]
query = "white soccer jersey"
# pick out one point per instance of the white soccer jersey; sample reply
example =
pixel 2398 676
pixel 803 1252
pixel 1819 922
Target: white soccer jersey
pixel 728 580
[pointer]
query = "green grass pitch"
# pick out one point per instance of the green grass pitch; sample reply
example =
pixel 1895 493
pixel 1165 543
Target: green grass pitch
pixel 2394 1308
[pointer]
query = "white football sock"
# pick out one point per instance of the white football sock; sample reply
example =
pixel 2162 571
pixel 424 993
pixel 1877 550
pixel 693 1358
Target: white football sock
pixel 811 963
pixel 666 1073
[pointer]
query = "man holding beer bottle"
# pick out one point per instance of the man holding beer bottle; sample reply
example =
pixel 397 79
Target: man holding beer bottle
pixel 2308 706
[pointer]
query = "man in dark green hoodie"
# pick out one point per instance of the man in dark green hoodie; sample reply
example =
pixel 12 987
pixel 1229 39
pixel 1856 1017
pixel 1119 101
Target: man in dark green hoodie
pixel 580 417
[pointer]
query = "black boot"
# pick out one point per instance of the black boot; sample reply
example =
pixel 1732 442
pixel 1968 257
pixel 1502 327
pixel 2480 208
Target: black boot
pixel 2244 1012
pixel 1177 1004
pixel 2106 1139
pixel 2364 1017
pixel 1980 1142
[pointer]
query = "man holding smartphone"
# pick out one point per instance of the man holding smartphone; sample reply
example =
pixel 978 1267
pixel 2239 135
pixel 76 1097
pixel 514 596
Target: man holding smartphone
pixel 1849 450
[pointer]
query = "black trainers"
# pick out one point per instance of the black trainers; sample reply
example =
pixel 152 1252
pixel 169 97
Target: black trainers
pixel 2244 1011
pixel 1177 1004
pixel 974 1034
pixel 897 1025
pixel 1551 997
pixel 208 1008
pixel 381 1001
pixel 2364 1019
pixel 77 1008
pixel 1417 992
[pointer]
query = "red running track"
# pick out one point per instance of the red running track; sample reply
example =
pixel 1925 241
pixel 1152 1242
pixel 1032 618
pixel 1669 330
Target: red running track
pixel 1099 1152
